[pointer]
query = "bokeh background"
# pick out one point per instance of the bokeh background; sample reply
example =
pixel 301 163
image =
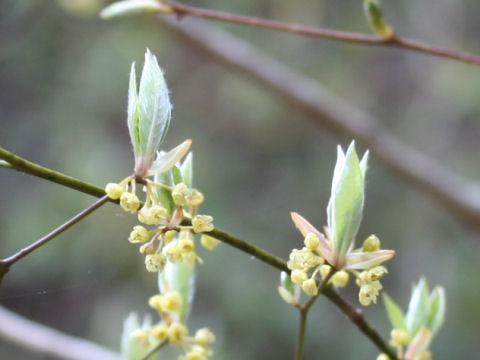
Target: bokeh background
pixel 63 86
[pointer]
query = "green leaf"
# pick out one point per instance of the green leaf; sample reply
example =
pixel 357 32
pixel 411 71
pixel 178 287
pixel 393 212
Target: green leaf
pixel 177 175
pixel 130 7
pixel 346 201
pixel 418 308
pixel 132 113
pixel 179 277
pixel 286 282
pixel 437 305
pixel 395 314
pixel 165 195
pixel 187 170
pixel 154 107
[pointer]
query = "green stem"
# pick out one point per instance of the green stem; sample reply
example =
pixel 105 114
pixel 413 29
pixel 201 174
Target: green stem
pixel 304 313
pixel 17 163
pixel 355 315
pixel 184 10
pixel 154 350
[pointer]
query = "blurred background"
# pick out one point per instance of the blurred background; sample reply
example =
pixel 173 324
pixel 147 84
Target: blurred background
pixel 63 87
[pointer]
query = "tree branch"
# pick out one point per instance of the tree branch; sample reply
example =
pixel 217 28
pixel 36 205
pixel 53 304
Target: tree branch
pixel 6 263
pixel 232 240
pixel 47 341
pixel 184 10
pixel 329 111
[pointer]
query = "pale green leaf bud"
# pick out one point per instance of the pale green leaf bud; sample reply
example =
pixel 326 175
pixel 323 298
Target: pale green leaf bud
pixel 345 207
pixel 149 113
pixel 133 7
pixel 375 19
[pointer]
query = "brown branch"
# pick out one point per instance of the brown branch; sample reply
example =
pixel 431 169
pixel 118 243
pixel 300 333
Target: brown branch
pixel 6 263
pixel 399 42
pixel 47 341
pixel 329 111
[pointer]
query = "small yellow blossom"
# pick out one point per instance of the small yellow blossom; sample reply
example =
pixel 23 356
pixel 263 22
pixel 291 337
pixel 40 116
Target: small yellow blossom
pixel 204 337
pixel 176 333
pixel 173 253
pixel 209 242
pixel 191 258
pixel 179 192
pixel 186 244
pixel 310 287
pixel 340 279
pixel 202 223
pixel 155 262
pixel 171 301
pixel 368 293
pixel 141 336
pixel 298 276
pixel 138 235
pixel 194 198
pixel 311 241
pixel 157 214
pixel 372 243
pixel 114 191
pixel 169 236
pixel 303 259
pixel 383 357
pixel 159 332
pixel 325 270
pixel 399 337
pixel 129 202
pixel 155 302
pixel 147 249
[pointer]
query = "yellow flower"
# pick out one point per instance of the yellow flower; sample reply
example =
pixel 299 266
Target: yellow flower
pixel 179 192
pixel 159 332
pixel 209 242
pixel 204 337
pixel 310 287
pixel 202 223
pixel 171 301
pixel 340 279
pixel 129 202
pixel 138 235
pixel 114 191
pixel 155 262
pixel 311 241
pixel 141 336
pixel 176 333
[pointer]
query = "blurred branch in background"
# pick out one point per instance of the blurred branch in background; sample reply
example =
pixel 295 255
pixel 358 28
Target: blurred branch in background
pixel 355 315
pixel 50 342
pixel 327 110
pixel 394 41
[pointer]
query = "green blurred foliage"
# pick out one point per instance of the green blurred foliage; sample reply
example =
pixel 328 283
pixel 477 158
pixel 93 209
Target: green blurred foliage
pixel 63 98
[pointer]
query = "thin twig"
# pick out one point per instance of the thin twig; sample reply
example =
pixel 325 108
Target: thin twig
pixel 355 315
pixel 154 350
pixel 6 263
pixel 327 110
pixel 47 341
pixel 304 313
pixel 183 10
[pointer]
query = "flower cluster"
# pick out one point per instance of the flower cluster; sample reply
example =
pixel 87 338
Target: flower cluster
pixel 332 254
pixel 169 240
pixel 172 330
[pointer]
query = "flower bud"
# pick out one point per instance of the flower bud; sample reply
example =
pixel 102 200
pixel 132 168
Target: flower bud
pixel 202 223
pixel 138 235
pixel 129 202
pixel 209 242
pixel 114 191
